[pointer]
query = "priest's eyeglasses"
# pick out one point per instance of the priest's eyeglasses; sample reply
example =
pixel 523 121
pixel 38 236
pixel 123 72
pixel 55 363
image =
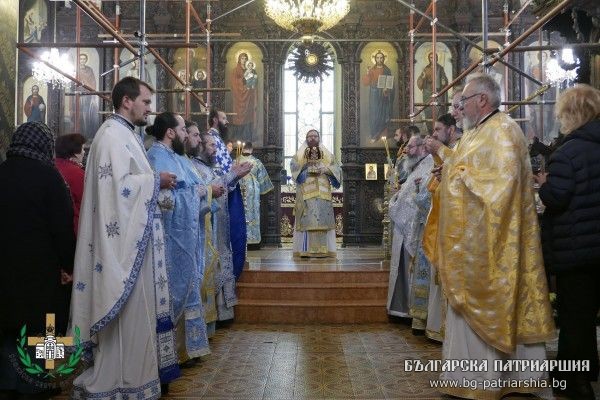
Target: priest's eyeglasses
pixel 463 100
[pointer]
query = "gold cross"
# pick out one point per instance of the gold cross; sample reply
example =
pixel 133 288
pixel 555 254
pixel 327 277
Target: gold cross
pixel 50 331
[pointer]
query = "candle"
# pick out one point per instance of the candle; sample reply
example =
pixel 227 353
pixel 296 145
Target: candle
pixel 239 149
pixel 387 149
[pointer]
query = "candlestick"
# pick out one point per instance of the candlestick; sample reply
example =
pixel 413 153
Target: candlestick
pixel 387 149
pixel 239 149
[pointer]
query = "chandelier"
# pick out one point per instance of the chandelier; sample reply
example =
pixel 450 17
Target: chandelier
pixel 306 16
pixel 43 74
pixel 562 69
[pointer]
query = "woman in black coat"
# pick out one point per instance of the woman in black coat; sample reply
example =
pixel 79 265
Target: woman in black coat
pixel 571 232
pixel 37 242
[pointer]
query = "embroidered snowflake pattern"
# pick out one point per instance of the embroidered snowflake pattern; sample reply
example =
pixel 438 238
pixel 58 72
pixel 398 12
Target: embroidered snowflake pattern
pixel 104 171
pixel 98 267
pixel 125 192
pixel 163 301
pixel 124 396
pixel 80 286
pixel 91 247
pixel 148 204
pixel 162 281
pixel 157 227
pixel 141 396
pixel 154 390
pixel 112 229
pixel 159 244
pixel 160 264
pixel 166 348
pixel 113 397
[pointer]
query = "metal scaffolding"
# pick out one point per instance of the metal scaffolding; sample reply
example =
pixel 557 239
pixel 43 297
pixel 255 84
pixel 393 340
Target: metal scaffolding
pixel 489 56
pixel 138 45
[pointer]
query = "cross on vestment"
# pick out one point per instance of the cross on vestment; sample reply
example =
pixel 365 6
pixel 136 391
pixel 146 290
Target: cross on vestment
pixel 50 347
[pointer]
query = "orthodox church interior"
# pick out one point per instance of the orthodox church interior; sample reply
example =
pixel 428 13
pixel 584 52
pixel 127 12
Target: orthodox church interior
pixel 303 328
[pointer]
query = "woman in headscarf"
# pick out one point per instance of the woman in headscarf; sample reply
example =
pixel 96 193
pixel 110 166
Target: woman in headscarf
pixel 36 242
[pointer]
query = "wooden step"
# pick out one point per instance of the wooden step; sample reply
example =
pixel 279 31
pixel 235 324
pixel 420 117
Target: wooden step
pixel 312 291
pixel 311 311
pixel 263 276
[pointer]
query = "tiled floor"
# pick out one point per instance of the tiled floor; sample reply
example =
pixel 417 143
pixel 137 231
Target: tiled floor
pixel 313 362
pixel 277 362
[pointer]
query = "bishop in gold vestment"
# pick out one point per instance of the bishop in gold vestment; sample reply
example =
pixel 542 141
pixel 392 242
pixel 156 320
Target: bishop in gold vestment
pixel 315 172
pixel 488 248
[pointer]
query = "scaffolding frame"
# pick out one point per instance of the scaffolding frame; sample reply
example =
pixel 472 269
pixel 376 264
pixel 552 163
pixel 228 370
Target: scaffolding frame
pixel 139 47
pixel 488 58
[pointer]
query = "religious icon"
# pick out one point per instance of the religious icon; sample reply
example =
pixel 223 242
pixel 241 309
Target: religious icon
pixel 35 107
pixel 386 171
pixel 244 73
pixel 380 81
pixel 496 71
pixel 35 20
pixel 378 94
pixel 425 62
pixel 371 172
pixel 541 121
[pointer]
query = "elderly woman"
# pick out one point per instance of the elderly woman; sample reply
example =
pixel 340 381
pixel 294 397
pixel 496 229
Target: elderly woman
pixel 36 243
pixel 69 162
pixel 571 232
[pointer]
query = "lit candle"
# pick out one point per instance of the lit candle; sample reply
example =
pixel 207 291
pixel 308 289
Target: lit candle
pixel 239 149
pixel 387 149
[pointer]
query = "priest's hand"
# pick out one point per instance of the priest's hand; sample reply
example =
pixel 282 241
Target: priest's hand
pixel 437 172
pixel 167 180
pixel 217 190
pixel 540 178
pixel 242 169
pixel 432 145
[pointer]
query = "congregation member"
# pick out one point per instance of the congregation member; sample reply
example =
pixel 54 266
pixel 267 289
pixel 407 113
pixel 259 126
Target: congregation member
pixel 37 244
pixel 69 162
pixel 408 220
pixel 488 250
pixel 232 237
pixel 253 185
pixel 121 299
pixel 570 191
pixel 214 189
pixel 180 207
pixel 316 174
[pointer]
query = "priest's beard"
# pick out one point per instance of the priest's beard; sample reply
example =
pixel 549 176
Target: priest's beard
pixel 409 163
pixel 178 146
pixel 192 151
pixel 223 131
pixel 469 123
pixel 208 159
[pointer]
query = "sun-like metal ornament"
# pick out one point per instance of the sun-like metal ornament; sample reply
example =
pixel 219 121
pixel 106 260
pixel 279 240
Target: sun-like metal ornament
pixel 311 61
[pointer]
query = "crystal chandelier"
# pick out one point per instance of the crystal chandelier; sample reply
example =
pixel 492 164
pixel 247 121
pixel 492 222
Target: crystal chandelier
pixel 46 75
pixel 307 16
pixel 563 70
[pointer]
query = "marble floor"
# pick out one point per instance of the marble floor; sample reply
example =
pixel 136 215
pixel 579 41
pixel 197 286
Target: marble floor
pixel 314 362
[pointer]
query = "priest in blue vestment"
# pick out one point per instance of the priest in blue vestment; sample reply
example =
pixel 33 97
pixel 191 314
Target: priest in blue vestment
pixel 181 208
